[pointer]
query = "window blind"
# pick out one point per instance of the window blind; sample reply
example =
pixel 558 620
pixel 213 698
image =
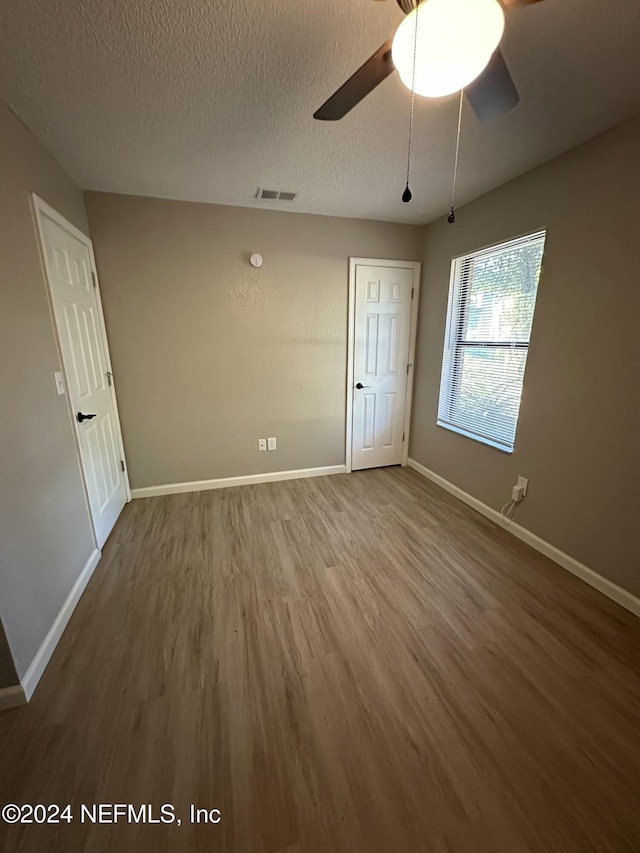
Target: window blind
pixel 492 296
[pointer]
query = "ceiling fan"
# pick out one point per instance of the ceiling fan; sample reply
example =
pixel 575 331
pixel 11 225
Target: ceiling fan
pixel 456 47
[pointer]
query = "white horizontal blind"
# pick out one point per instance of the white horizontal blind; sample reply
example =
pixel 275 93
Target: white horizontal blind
pixel 492 295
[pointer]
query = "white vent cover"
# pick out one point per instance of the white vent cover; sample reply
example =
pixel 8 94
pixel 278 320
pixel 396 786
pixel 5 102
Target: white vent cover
pixel 275 195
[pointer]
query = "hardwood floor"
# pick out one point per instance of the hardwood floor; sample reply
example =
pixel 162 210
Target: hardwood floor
pixel 348 663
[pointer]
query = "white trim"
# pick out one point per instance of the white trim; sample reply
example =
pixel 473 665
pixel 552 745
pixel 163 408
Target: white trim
pixel 413 334
pixel 40 207
pixel 351 325
pixel 227 482
pixel 11 697
pixel 43 656
pixel 621 596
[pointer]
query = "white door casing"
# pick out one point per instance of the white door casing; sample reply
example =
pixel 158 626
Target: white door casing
pixel 81 336
pixel 383 297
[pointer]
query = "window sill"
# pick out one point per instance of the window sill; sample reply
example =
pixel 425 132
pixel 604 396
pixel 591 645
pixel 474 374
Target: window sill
pixel 475 437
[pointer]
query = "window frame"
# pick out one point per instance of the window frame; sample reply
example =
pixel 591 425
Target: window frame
pixel 456 326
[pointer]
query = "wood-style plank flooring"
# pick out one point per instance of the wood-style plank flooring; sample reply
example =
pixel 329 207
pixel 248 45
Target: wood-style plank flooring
pixel 348 663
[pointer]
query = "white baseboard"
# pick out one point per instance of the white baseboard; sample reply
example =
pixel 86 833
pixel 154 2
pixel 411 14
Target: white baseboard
pixel 43 656
pixel 602 584
pixel 10 697
pixel 226 482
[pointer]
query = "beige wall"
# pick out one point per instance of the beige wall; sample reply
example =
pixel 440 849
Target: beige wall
pixel 210 354
pixel 578 434
pixel 45 534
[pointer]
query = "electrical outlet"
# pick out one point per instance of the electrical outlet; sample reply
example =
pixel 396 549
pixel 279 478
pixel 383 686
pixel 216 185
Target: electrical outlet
pixel 271 444
pixel 262 444
pixel 522 481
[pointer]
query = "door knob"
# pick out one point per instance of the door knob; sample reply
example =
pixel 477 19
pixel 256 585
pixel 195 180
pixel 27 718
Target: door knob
pixel 82 417
pixel 360 386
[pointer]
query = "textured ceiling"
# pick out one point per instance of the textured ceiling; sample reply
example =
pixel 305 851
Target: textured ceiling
pixel 208 99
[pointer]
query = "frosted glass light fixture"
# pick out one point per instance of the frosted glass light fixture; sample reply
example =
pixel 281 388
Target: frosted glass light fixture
pixel 455 41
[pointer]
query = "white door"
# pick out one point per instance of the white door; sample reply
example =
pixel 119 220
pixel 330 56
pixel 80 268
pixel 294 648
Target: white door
pixel 89 382
pixel 382 342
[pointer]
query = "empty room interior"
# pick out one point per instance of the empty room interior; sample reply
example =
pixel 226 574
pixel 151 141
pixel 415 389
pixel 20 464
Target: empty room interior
pixel 319 420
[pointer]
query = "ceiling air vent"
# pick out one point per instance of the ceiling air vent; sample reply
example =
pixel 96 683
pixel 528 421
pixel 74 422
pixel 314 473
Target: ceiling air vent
pixel 275 195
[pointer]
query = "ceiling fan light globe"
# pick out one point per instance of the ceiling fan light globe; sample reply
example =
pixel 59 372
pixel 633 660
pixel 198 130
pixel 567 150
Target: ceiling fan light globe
pixel 455 41
pixel 441 76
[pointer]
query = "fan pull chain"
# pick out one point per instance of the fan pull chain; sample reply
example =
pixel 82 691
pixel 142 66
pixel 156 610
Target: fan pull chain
pixel 406 195
pixel 451 218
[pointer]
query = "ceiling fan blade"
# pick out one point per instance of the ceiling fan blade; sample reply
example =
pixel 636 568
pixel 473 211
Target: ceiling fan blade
pixel 515 4
pixel 358 86
pixel 493 92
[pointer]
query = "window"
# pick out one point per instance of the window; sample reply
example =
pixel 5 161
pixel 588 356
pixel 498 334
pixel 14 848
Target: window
pixel 492 295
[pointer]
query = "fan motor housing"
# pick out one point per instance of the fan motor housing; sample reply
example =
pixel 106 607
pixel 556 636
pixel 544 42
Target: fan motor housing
pixel 408 6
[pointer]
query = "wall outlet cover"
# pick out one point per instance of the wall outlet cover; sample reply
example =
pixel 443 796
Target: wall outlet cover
pixel 271 444
pixel 262 444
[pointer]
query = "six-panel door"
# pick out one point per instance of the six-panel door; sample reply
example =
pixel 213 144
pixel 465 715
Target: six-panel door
pixel 68 263
pixel 381 354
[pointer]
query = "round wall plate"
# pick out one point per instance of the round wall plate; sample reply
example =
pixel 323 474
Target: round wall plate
pixel 255 260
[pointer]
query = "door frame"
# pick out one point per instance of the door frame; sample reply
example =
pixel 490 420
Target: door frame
pixel 41 208
pixel 416 267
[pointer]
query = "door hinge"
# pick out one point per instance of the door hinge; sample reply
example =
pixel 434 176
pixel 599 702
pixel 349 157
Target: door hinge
pixel 95 283
pixel 412 291
pixel 122 465
pixel 110 378
pixel 403 436
pixel 409 366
